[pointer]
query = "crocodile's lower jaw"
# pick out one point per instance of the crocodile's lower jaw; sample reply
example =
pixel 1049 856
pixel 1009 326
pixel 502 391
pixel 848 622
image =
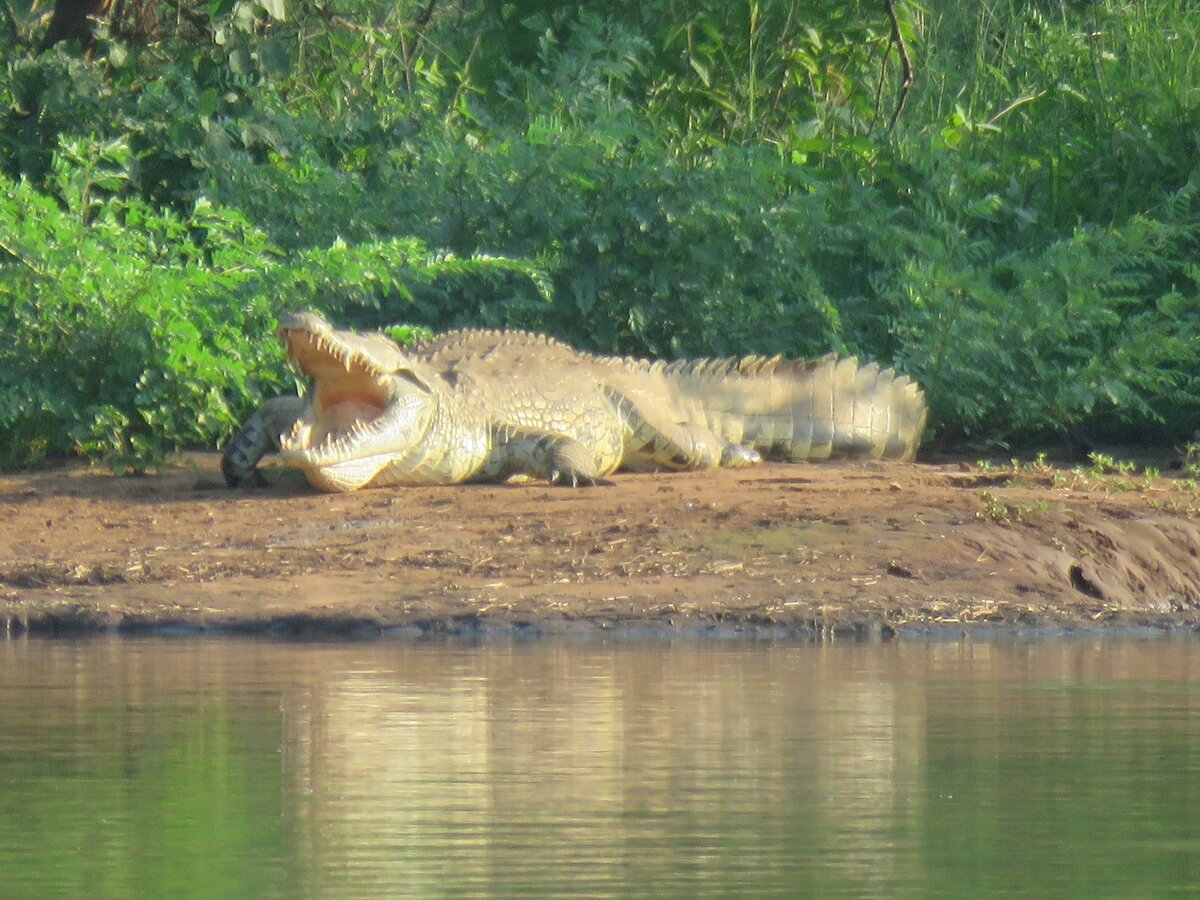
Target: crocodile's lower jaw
pixel 337 434
pixel 339 477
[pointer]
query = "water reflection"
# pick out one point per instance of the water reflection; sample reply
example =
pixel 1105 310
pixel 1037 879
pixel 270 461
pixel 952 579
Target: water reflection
pixel 360 769
pixel 650 765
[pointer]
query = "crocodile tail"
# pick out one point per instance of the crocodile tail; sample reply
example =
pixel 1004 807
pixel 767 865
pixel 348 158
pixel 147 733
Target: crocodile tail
pixel 805 409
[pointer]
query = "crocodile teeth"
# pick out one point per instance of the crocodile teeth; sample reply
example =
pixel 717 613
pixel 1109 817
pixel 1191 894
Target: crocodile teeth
pixel 303 343
pixel 299 437
pixel 334 446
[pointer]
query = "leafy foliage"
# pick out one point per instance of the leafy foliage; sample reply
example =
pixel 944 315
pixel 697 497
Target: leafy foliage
pixel 1093 328
pixel 134 331
pixel 647 178
pixel 126 324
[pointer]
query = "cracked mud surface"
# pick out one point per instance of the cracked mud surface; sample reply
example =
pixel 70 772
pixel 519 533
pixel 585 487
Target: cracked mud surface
pixel 839 548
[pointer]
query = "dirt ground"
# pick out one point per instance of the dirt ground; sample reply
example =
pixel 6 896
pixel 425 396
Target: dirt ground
pixel 836 549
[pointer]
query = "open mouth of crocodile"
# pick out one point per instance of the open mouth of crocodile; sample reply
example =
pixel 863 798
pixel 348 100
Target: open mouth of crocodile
pixel 348 399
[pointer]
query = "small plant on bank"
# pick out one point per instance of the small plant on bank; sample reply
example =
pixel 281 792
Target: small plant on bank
pixel 1106 465
pixel 1190 460
pixel 994 509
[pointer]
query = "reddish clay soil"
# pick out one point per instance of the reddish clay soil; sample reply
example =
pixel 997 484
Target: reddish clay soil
pixel 822 550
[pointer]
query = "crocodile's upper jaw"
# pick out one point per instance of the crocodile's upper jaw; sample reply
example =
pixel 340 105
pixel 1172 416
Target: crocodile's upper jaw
pixel 359 413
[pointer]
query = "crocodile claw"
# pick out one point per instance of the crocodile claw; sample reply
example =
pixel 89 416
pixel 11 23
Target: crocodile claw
pixel 573 478
pixel 572 464
pixel 739 456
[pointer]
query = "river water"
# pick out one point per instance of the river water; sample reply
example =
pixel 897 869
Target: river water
pixel 244 769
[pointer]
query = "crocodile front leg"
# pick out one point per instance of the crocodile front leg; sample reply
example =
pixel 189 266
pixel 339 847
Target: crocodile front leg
pixel 555 458
pixel 258 437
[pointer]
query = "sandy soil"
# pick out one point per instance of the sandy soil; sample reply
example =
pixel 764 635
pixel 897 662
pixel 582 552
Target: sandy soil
pixel 867 549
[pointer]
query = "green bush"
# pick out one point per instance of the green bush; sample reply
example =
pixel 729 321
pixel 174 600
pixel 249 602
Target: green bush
pixel 133 331
pixel 125 326
pixel 650 178
pixel 1090 334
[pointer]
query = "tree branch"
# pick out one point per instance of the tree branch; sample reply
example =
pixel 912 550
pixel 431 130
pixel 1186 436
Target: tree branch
pixel 425 15
pixel 419 22
pixel 908 73
pixel 10 19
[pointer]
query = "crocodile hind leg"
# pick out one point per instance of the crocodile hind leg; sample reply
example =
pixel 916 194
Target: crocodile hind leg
pixel 657 442
pixel 258 437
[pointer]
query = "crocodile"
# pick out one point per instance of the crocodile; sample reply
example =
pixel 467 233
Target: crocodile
pixel 481 405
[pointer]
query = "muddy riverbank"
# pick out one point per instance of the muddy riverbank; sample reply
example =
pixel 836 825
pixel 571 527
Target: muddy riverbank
pixel 824 550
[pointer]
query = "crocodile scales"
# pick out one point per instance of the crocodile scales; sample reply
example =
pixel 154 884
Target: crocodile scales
pixel 488 405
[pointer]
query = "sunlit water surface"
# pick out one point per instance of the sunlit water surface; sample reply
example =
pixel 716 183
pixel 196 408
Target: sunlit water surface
pixel 240 769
